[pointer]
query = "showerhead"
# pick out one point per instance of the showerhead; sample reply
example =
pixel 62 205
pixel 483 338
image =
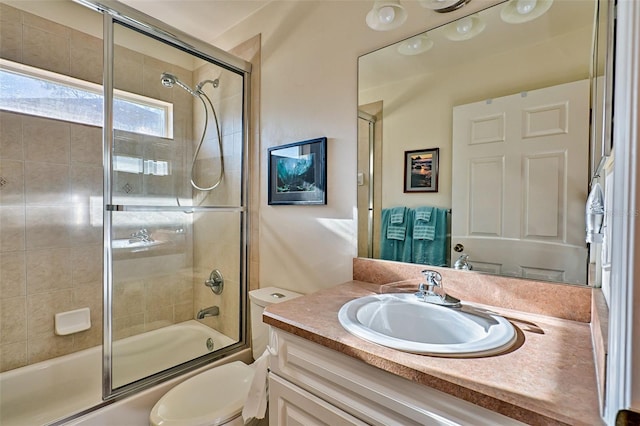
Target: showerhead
pixel 168 80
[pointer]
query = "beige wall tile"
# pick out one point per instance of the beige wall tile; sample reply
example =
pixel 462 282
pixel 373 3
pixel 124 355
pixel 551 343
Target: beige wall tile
pixel 13 274
pixel 87 225
pixel 86 264
pixel 47 346
pixel 48 270
pixel 12 223
pixel 46 25
pixel 151 86
pixel 184 291
pixel 48 227
pixel 127 64
pixel 90 296
pixel 13 355
pixel 227 108
pixel 160 316
pixel 11 41
pixel 128 326
pixel 159 292
pixel 46 140
pixel 89 338
pixel 183 312
pixel 86 57
pixel 11 182
pixel 13 320
pixel 42 309
pixel 128 299
pixel 45 50
pixel 47 183
pixel 10 14
pixel 86 181
pixel 86 144
pixel 11 136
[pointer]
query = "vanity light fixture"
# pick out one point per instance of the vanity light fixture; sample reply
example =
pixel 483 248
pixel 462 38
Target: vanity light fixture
pixel 386 15
pixel 415 45
pixel 520 11
pixel 465 28
pixel 443 6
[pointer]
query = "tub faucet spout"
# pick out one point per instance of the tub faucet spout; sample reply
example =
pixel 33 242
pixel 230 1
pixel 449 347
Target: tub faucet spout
pixel 211 311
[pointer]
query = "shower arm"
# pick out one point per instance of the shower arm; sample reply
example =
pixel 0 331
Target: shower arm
pixel 215 83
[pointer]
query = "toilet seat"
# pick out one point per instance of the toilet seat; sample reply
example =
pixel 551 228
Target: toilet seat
pixel 207 399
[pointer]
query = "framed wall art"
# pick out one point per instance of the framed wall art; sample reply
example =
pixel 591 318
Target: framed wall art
pixel 421 170
pixel 298 173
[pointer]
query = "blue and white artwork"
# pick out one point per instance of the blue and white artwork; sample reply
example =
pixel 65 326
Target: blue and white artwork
pixel 295 174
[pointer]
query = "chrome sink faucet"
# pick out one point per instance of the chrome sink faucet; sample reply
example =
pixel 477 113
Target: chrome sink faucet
pixel 427 291
pixel 463 263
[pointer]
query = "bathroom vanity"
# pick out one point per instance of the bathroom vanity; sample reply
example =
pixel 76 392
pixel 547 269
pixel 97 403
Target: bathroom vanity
pixel 321 374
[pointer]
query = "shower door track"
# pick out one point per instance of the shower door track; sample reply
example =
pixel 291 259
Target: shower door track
pixel 186 209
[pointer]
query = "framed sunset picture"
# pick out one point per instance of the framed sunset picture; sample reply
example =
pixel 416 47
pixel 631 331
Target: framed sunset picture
pixel 421 170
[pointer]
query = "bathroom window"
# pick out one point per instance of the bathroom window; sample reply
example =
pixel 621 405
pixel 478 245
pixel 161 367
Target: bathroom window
pixel 29 90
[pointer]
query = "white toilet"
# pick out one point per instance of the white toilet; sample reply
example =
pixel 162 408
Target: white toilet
pixel 216 396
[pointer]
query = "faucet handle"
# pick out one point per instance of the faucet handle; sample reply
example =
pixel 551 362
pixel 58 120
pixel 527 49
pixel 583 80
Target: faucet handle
pixel 433 278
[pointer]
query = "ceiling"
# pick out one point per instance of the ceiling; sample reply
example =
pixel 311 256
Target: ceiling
pixel 203 19
pixel 565 17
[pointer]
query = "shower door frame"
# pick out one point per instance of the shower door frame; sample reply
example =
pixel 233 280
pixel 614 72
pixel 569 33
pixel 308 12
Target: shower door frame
pixel 118 13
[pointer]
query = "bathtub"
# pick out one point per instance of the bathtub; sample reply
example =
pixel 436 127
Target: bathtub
pixel 50 390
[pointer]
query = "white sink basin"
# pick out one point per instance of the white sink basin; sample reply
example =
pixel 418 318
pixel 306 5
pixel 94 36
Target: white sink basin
pixel 404 322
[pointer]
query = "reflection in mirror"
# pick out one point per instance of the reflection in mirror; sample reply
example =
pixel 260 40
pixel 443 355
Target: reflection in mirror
pixel 505 95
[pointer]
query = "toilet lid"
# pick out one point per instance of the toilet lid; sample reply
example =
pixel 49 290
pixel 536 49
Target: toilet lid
pixel 209 398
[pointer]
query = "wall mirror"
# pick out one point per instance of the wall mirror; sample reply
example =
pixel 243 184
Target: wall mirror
pixel 505 96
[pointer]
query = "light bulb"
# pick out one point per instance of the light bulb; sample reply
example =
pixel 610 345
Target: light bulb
pixel 525 7
pixel 386 14
pixel 464 25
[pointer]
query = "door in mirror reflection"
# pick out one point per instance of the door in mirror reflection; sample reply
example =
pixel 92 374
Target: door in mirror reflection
pixel 520 169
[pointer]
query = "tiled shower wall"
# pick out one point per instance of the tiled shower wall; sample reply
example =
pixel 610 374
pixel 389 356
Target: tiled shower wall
pixel 216 245
pixel 50 188
pixel 50 251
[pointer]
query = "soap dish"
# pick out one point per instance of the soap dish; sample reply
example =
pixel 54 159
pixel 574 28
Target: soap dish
pixel 73 321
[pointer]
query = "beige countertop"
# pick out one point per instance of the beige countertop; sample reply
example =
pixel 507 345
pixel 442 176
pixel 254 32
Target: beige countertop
pixel 547 378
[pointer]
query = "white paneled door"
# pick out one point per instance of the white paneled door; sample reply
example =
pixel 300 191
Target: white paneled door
pixel 520 174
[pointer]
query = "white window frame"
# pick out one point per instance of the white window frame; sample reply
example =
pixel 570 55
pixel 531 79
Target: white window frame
pixel 97 89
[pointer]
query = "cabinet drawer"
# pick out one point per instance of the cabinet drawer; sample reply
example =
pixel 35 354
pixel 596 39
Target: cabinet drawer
pixel 290 405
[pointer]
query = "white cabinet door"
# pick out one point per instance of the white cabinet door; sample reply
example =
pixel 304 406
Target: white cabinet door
pixel 520 169
pixel 290 405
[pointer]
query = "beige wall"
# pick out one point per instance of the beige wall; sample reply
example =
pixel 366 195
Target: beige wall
pixel 309 89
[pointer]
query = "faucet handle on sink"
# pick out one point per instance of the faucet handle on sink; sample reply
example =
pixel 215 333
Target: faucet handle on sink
pixel 433 278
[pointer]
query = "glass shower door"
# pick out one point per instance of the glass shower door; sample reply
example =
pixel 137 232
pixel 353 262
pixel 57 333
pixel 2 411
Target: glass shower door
pixel 176 212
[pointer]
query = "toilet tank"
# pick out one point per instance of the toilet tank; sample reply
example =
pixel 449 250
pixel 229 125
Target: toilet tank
pixel 258 300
